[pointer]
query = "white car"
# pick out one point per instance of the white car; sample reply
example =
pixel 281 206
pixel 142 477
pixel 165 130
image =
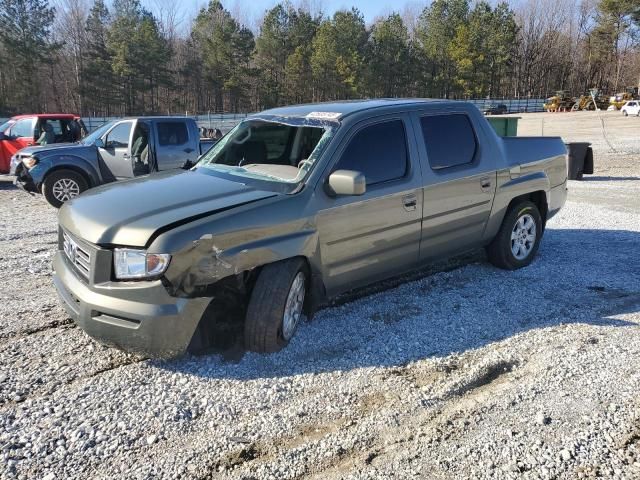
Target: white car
pixel 632 107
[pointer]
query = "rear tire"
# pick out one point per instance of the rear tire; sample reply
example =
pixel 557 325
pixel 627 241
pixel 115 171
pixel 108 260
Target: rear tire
pixel 518 239
pixel 276 305
pixel 63 185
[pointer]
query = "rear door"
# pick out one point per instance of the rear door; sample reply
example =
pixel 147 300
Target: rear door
pixel 460 182
pixel 368 237
pixel 175 144
pixel 116 152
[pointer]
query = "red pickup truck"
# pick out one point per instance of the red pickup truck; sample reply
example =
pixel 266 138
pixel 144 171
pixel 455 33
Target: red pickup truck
pixel 24 130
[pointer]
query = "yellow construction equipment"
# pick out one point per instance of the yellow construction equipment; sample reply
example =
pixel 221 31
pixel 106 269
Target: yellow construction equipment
pixel 560 102
pixel 590 102
pixel 619 99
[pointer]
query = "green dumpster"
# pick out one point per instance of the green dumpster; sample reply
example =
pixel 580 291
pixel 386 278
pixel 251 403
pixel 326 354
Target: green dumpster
pixel 504 126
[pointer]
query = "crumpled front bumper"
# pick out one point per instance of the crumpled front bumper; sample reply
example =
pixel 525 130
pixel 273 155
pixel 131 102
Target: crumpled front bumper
pixel 22 178
pixel 138 317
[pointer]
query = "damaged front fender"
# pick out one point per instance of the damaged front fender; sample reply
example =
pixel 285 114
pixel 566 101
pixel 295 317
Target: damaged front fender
pixel 204 262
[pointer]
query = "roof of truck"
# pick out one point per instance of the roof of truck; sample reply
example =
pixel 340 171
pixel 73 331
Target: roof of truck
pixel 45 115
pixel 343 108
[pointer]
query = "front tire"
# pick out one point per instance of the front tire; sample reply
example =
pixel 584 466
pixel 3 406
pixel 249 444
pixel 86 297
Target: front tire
pixel 518 239
pixel 276 305
pixel 63 185
pixel 624 112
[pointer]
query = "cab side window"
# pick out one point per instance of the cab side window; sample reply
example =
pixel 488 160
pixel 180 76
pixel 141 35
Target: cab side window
pixel 22 128
pixel 378 151
pixel 449 139
pixel 119 136
pixel 172 133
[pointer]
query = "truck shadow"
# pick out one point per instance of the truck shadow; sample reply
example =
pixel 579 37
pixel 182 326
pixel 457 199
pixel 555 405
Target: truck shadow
pixel 579 277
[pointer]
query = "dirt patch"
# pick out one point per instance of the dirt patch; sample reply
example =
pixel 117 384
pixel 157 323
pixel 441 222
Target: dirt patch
pixel 372 402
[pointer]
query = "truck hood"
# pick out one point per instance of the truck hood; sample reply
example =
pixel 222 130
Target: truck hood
pixel 58 148
pixel 128 213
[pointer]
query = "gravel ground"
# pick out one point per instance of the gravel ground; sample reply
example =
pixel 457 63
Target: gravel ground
pixel 468 372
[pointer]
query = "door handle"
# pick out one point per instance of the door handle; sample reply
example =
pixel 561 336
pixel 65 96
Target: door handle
pixel 188 150
pixel 409 202
pixel 126 156
pixel 29 144
pixel 485 183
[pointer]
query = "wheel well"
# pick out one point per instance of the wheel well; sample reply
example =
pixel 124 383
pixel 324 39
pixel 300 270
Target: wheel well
pixel 77 170
pixel 221 324
pixel 539 198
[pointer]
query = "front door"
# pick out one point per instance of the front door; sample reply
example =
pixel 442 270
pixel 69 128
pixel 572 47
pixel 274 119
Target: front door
pixel 369 237
pixel 21 135
pixel 116 152
pixel 460 182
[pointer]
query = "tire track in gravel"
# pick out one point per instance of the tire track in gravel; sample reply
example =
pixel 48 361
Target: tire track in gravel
pixel 459 398
pixel 51 359
pixel 27 235
pixel 54 324
pixel 38 393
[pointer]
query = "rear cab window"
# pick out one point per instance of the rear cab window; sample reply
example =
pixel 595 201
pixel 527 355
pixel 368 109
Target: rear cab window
pixel 449 139
pixel 377 151
pixel 275 138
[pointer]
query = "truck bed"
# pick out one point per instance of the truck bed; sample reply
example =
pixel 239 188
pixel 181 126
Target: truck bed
pixel 546 153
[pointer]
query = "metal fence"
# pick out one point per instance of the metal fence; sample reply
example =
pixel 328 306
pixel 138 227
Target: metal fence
pixel 226 121
pixel 223 121
pixel 514 105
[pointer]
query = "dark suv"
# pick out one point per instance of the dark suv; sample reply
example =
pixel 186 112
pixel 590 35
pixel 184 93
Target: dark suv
pixel 499 109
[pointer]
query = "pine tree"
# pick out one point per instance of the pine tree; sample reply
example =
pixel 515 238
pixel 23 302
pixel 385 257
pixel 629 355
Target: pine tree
pixel 224 48
pixel 283 31
pixel 436 29
pixel 25 27
pixel 388 58
pixel 97 82
pixel 337 60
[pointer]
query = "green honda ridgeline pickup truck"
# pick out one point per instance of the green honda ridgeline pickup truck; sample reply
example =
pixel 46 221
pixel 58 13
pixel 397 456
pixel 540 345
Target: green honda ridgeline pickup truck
pixel 297 205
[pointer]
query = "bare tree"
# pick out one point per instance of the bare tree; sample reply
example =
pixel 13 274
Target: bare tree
pixel 69 31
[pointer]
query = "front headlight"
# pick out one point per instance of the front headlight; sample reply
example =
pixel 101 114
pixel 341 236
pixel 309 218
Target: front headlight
pixel 136 264
pixel 29 162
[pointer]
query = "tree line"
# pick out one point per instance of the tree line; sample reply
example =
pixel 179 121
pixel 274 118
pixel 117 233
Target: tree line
pixel 85 56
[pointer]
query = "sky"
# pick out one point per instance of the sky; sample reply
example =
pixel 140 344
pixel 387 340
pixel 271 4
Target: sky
pixel 370 8
pixel 251 11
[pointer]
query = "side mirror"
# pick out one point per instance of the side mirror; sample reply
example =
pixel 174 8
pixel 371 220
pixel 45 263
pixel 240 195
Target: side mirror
pixel 347 182
pixel 2 136
pixel 99 143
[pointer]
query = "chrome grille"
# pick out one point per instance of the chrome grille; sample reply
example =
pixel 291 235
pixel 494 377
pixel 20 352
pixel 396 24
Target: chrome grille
pixel 79 256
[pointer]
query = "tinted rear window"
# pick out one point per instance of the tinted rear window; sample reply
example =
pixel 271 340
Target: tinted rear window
pixel 172 133
pixel 378 151
pixel 449 140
